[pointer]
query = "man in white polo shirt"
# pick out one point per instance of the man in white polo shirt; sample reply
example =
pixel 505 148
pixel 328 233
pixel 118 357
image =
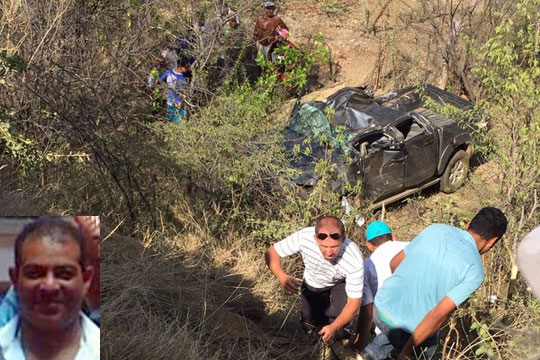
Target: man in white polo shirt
pixel 333 276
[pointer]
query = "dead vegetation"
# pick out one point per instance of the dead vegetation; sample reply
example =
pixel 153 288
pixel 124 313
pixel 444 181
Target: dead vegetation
pixel 192 298
pixel 198 206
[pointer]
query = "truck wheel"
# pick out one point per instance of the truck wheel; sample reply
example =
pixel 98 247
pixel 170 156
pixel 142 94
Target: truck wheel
pixel 456 172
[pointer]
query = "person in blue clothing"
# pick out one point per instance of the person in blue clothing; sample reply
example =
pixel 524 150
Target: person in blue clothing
pixel 439 269
pixel 176 82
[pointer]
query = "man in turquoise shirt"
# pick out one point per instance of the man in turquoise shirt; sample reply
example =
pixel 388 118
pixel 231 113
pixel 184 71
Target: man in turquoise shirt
pixel 434 274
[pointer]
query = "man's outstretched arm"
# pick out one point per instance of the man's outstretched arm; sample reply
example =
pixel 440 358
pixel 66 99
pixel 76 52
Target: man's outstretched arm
pixel 256 31
pixel 282 25
pixel 288 282
pixel 427 327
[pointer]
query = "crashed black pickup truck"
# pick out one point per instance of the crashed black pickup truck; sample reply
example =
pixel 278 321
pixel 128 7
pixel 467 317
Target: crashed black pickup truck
pixel 392 144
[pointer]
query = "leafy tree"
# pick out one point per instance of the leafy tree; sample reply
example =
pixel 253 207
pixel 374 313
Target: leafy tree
pixel 509 72
pixel 510 76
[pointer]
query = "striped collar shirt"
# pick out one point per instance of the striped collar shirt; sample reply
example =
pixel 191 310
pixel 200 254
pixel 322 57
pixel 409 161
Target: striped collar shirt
pixel 320 273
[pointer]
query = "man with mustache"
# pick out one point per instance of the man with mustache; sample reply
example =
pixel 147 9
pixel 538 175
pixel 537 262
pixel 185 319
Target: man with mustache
pixel 51 278
pixel 90 228
pixel 331 291
pixel 266 28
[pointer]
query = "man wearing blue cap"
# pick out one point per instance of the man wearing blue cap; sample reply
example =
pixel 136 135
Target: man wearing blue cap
pixel 266 29
pixel 439 269
pixel 380 241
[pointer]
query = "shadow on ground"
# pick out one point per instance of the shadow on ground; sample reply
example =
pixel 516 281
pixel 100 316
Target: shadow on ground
pixel 166 305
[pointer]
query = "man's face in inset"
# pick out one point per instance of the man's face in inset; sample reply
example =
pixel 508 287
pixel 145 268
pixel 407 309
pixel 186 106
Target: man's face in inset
pixel 50 283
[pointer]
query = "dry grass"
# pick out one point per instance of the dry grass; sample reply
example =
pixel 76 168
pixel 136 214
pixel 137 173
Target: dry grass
pixel 191 296
pixel 18 203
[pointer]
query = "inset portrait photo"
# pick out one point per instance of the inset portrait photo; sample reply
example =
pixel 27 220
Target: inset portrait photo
pixel 49 287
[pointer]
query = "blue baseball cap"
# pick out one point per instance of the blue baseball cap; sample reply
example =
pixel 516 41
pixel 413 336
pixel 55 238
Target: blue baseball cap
pixel 269 4
pixel 377 228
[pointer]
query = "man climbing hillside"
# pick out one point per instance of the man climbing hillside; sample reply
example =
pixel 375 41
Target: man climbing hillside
pixel 266 29
pixel 331 291
pixel 433 275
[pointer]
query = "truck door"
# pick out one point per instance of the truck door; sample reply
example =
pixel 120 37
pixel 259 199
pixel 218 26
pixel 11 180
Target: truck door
pixel 382 165
pixel 420 148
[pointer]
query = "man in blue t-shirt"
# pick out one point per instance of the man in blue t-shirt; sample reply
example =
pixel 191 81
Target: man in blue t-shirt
pixel 433 275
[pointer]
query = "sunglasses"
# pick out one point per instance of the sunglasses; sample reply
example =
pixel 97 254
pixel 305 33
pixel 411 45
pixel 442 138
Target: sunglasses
pixel 335 236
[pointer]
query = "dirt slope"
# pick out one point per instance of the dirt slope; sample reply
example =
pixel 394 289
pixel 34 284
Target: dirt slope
pixel 354 52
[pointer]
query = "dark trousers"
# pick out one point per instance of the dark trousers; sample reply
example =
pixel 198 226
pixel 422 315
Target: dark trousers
pixel 320 307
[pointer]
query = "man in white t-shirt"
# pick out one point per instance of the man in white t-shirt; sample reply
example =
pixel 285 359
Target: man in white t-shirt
pixel 333 282
pixel 380 241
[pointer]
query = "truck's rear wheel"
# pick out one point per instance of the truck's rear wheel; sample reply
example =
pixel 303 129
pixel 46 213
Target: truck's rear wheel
pixel 456 172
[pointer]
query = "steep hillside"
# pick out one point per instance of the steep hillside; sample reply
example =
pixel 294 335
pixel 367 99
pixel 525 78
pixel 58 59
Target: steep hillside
pixel 189 209
pixel 214 286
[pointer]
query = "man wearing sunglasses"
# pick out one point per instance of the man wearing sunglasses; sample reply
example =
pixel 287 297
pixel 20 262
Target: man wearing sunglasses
pixel 331 291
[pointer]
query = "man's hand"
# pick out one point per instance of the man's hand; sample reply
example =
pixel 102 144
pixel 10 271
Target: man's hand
pixel 363 327
pixel 289 284
pixel 396 260
pixel 428 326
pixel 328 332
